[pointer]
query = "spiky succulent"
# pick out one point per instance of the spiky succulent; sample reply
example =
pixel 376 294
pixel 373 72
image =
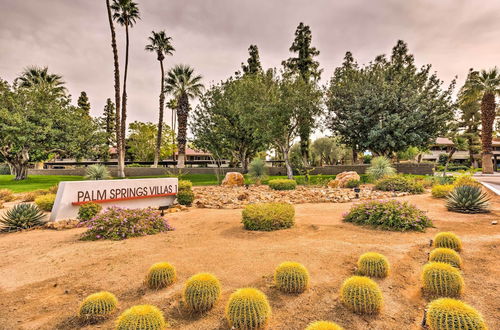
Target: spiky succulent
pixel 161 275
pixel 445 255
pixel 201 292
pixel 141 317
pixel 324 325
pixel 467 199
pixel 248 308
pixel 452 314
pixel 22 216
pixel 97 172
pixel 291 277
pixel 361 295
pixel 373 264
pixel 448 240
pixel 442 280
pixel 98 305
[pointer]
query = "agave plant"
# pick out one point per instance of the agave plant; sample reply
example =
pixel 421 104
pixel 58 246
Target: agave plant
pixel 467 199
pixel 97 172
pixel 22 216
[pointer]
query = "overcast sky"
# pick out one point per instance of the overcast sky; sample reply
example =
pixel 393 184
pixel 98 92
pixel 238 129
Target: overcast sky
pixel 72 38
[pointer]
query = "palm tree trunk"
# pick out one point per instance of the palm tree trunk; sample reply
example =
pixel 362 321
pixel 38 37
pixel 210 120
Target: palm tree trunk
pixel 119 147
pixel 121 161
pixel 182 116
pixel 487 119
pixel 160 119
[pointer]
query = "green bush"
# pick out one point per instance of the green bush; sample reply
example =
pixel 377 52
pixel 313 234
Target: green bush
pixel 257 170
pixel 380 167
pixel 45 202
pixel 141 317
pixel 88 210
pixel 361 295
pixel 268 216
pixel 291 277
pixel 97 172
pixel 185 195
pixel 30 196
pixel 201 292
pixel 185 185
pixel 353 184
pixel 4 169
pixel 282 184
pixel 388 215
pixel 20 217
pixel 452 314
pixel 248 308
pixel 441 190
pixel 466 180
pixel 399 183
pixel 97 306
pixel 467 199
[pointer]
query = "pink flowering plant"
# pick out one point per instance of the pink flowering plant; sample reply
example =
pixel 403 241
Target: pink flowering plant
pixel 117 223
pixel 389 215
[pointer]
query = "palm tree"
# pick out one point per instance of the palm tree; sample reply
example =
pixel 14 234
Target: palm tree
pixel 183 84
pixel 34 76
pixel 160 43
pixel 125 13
pixel 119 141
pixel 485 86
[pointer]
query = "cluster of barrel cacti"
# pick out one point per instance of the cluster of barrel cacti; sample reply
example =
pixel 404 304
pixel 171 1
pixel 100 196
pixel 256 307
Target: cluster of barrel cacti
pixel 201 292
pixel 248 308
pixel 373 264
pixel 161 275
pixel 291 277
pixel 361 295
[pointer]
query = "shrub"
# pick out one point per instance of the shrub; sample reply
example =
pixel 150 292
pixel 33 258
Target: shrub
pixel 185 185
pixel 466 180
pixel 97 172
pixel 268 216
pixel 88 210
pixel 45 202
pixel 53 189
pixel 282 184
pixel 185 197
pixel 4 169
pixel 117 224
pixel 380 167
pixel 452 314
pixel 323 325
pixel 399 183
pixel 361 295
pixel 22 216
pixel 257 170
pixel 467 199
pixel 445 255
pixel 441 190
pixel 388 215
pixel 441 279
pixel 97 306
pixel 291 277
pixel 161 275
pixel 447 240
pixel 30 196
pixel 248 308
pixel 353 184
pixel 141 317
pixel 373 264
pixel 7 195
pixel 201 292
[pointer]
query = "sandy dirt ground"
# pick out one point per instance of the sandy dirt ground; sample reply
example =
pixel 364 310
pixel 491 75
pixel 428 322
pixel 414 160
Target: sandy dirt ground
pixel 44 274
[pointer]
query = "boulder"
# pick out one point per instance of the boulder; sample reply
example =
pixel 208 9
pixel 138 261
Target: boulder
pixel 233 179
pixel 341 179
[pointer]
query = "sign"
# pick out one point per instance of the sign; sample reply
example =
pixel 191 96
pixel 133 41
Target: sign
pixel 127 193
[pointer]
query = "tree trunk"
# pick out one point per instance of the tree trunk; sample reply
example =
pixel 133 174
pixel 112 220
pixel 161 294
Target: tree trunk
pixel 448 159
pixel 160 119
pixel 244 161
pixel 487 119
pixel 119 147
pixel 182 116
pixel 18 164
pixel 354 156
pixel 121 161
pixel 289 171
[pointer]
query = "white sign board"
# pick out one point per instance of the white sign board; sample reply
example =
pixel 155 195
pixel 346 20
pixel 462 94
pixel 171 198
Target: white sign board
pixel 127 193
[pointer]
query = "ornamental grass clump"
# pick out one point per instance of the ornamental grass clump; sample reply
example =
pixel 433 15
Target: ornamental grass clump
pixel 373 264
pixel 282 184
pixel 361 295
pixel 268 216
pixel 161 275
pixel 453 314
pixel 88 210
pixel 388 215
pixel 45 202
pixel 324 325
pixel 98 306
pixel 399 183
pixel 448 256
pixel 248 308
pixel 7 195
pixel 442 280
pixel 30 196
pixel 21 217
pixel 257 170
pixel 380 167
pixel 141 317
pixel 116 224
pixel 467 199
pixel 97 172
pixel 201 292
pixel 447 240
pixel 291 277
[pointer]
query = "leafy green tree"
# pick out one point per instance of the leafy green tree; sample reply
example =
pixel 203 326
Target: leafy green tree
pixel 253 63
pixel 109 121
pixel 388 105
pixel 41 78
pixel 142 141
pixel 183 84
pixel 160 44
pixel 328 151
pixel 83 103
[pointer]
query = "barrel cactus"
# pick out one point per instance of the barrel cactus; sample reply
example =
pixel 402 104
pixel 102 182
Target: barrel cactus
pixel 161 275
pixel 323 325
pixel 291 277
pixel 98 306
pixel 446 255
pixel 201 292
pixel 448 240
pixel 452 314
pixel 361 295
pixel 141 317
pixel 441 279
pixel 373 264
pixel 248 308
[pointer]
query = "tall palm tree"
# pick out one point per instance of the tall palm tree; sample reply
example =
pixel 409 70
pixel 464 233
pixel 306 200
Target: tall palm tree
pixel 125 13
pixel 160 43
pixel 484 85
pixel 39 76
pixel 183 84
pixel 119 140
